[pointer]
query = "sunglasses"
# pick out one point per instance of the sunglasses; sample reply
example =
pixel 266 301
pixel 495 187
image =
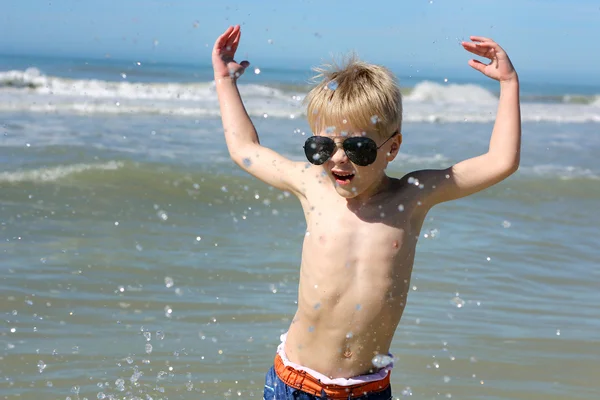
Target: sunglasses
pixel 359 149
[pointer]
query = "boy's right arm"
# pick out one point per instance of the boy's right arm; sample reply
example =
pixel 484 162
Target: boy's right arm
pixel 240 134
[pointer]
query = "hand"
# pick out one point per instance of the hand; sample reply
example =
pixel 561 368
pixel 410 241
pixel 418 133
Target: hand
pixel 500 68
pixel 224 65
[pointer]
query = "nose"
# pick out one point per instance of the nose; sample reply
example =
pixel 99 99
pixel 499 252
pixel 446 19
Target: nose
pixel 339 155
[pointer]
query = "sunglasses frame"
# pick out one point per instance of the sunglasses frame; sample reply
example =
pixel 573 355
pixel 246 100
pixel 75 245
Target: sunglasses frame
pixel 349 152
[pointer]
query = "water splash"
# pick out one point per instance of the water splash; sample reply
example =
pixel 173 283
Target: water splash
pixel 382 360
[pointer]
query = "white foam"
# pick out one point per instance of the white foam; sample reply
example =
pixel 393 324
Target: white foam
pixel 560 171
pixel 429 102
pixel 55 173
pixel 427 91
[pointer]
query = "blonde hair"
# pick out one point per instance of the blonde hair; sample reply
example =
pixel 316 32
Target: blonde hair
pixel 364 96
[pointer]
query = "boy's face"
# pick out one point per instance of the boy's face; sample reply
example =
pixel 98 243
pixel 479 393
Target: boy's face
pixel 350 179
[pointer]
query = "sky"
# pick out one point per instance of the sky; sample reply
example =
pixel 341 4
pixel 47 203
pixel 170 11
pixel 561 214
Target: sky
pixel 546 39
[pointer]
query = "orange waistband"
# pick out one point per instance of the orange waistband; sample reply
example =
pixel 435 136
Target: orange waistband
pixel 302 380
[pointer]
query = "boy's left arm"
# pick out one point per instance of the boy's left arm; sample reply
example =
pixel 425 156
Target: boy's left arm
pixel 502 159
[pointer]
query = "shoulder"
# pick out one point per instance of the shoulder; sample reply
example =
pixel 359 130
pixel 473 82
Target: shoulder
pixel 421 186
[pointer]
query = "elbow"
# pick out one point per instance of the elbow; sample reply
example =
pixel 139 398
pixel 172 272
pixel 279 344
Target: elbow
pixel 504 164
pixel 509 167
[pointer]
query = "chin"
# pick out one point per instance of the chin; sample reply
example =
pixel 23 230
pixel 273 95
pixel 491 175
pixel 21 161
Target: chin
pixel 346 193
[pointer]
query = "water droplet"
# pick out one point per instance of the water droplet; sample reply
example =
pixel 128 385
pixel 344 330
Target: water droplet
pixel 311 328
pixel 407 391
pixel 148 335
pixel 160 335
pixel 446 379
pixel 446 80
pixel 557 333
pixel 431 234
pixel 349 335
pixel 124 75
pixel 413 181
pixel 401 207
pixel 332 85
pixel 162 215
pixel 257 71
pixel 458 301
pixel 41 366
pixel 382 360
pixel 270 41
pixel 506 224
pixel 148 348
pixel 168 311
pixel 374 119
pixel 168 282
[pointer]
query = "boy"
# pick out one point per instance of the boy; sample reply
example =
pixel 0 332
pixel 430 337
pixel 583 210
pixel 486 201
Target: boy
pixel 362 226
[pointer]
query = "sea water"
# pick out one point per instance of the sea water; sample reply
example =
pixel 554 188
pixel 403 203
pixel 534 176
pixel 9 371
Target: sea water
pixel 138 261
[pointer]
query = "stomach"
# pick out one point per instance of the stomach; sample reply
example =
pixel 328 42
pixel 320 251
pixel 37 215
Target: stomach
pixel 338 333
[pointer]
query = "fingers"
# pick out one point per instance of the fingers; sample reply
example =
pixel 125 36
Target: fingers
pixel 228 39
pixel 480 39
pixel 483 49
pixel 222 40
pixel 236 38
pixel 478 65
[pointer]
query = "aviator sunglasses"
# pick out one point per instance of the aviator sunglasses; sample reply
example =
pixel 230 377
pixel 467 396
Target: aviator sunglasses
pixel 360 150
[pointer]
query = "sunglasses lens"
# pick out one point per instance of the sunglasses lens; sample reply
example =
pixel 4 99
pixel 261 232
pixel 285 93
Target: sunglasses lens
pixel 361 150
pixel 318 149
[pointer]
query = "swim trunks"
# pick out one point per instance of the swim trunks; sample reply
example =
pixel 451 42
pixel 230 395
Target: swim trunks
pixel 287 380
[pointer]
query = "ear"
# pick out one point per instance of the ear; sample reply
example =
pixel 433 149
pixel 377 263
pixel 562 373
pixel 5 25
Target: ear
pixel 395 147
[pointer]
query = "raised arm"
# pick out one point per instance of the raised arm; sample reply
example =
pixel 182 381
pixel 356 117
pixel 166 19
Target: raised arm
pixel 240 134
pixel 503 155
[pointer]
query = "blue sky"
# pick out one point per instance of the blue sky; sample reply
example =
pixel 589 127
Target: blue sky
pixel 545 38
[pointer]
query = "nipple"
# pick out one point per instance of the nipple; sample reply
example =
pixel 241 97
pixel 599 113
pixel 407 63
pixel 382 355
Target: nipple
pixel 347 353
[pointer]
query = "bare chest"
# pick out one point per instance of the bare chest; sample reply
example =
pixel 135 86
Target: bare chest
pixel 339 236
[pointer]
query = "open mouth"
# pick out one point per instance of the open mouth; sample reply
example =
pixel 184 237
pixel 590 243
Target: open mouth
pixel 342 178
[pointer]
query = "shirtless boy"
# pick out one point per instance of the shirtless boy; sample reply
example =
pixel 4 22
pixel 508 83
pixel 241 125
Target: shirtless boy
pixel 362 226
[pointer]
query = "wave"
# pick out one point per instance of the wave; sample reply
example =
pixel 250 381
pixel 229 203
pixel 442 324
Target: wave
pixel 53 174
pixel 32 91
pixel 113 171
pixel 453 93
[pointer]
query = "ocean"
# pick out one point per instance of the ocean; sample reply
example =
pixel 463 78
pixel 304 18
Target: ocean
pixel 138 262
